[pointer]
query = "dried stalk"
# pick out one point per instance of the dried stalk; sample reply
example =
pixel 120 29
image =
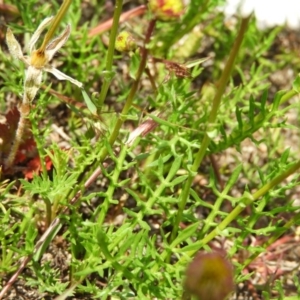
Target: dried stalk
pixel 36 63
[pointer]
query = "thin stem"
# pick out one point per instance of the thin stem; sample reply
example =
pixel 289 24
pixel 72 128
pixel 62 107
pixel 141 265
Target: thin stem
pixel 41 153
pixel 261 192
pixel 128 104
pixel 111 189
pixel 134 87
pixel 212 117
pixel 54 24
pixel 258 122
pixel 276 180
pixel 48 211
pixel 110 52
pixel 53 226
pixel 288 96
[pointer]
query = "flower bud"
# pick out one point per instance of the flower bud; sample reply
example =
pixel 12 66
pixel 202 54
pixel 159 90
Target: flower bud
pixel 166 10
pixel 125 42
pixel 209 277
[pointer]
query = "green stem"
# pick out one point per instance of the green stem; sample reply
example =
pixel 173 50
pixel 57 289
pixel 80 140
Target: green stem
pixel 134 87
pixel 129 100
pixel 211 120
pixel 288 96
pixel 276 180
pixel 247 201
pixel 55 23
pixel 236 137
pixel 112 187
pixel 110 52
pixel 48 211
pixel 42 156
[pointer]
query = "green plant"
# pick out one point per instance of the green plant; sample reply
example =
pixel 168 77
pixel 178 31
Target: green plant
pixel 131 208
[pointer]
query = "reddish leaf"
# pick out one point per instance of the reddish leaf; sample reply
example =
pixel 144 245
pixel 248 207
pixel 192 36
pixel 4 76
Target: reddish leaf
pixel 34 166
pixel 27 149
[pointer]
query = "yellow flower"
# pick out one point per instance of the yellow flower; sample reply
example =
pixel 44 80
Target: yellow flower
pixel 125 42
pixel 166 10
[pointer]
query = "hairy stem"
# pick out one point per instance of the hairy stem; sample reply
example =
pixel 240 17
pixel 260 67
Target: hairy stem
pixel 24 112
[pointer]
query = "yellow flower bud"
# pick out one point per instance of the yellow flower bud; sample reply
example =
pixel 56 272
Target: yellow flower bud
pixel 125 42
pixel 166 10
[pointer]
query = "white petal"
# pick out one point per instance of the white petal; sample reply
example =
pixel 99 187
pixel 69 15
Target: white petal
pixel 57 43
pixel 268 13
pixel 38 32
pixel 231 7
pixel 61 76
pixel 14 46
pixel 247 8
pixel 293 17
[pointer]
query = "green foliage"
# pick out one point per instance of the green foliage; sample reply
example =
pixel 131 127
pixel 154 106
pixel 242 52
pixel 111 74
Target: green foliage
pixel 131 232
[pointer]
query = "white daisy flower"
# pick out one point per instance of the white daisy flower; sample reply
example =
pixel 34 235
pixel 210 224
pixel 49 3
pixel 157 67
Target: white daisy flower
pixel 268 13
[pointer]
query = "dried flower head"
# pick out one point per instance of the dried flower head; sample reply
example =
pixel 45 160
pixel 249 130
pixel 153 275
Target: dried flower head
pixel 166 10
pixel 209 277
pixel 39 60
